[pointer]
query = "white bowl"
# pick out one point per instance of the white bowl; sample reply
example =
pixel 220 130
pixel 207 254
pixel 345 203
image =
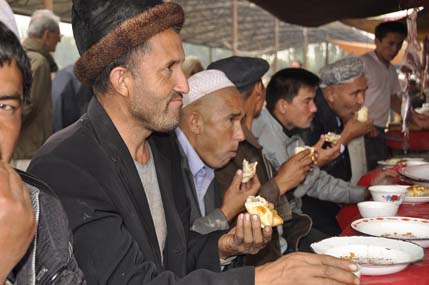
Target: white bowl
pixel 389 193
pixel 375 209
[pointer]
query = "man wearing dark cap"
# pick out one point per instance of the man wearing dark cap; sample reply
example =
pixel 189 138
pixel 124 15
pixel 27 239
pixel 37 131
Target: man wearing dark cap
pixel 246 73
pixel 118 178
pixel 340 98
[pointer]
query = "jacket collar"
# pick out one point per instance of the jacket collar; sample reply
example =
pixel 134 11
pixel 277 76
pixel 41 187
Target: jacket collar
pixel 32 45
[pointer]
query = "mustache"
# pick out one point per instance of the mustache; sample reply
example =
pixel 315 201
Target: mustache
pixel 176 95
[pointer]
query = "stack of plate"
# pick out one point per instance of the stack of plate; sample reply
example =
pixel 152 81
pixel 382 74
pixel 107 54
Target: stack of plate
pixel 415 175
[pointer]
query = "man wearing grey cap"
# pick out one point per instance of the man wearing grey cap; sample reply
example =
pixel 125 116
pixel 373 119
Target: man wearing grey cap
pixel 341 96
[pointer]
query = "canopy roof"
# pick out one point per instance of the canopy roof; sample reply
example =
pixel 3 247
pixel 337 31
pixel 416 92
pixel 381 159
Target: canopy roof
pixel 314 13
pixel 209 23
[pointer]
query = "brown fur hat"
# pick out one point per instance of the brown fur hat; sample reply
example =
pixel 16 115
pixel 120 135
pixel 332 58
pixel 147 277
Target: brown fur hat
pixel 106 30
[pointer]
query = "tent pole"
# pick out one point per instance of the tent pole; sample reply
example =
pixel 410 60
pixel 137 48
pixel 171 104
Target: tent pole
pixel 326 53
pixel 234 27
pixel 276 43
pixel 49 4
pixel 305 34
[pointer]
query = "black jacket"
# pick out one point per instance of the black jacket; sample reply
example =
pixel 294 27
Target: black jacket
pixel 325 120
pixel 91 169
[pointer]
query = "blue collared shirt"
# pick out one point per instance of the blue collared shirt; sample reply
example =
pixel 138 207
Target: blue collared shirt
pixel 201 173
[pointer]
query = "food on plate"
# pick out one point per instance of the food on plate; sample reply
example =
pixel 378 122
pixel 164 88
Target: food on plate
pixel 362 114
pixel 332 137
pixel 366 260
pixel 259 206
pixel 418 191
pixel 249 170
pixel 396 161
pixel 298 149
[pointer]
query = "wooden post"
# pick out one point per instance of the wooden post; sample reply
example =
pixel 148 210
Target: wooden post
pixel 234 27
pixel 49 4
pixel 326 53
pixel 276 43
pixel 305 34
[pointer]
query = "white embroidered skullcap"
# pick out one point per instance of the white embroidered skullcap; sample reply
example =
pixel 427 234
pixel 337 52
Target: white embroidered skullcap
pixel 204 83
pixel 7 17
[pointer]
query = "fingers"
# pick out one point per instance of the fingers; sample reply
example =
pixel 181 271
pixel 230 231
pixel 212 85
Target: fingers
pixel 248 232
pixel 236 180
pixel 267 234
pixel 335 275
pixel 321 259
pixel 320 142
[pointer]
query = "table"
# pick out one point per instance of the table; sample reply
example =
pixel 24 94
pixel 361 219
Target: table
pixel 418 141
pixel 415 274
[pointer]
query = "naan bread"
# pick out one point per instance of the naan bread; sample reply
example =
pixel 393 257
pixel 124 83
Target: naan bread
pixel 418 191
pixel 298 149
pixel 332 137
pixel 259 206
pixel 362 114
pixel 249 170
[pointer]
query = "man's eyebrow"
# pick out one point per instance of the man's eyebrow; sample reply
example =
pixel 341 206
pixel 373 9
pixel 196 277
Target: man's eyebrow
pixel 15 96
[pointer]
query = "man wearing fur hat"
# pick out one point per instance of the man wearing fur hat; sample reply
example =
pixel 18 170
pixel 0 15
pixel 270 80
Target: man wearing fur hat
pixel 119 178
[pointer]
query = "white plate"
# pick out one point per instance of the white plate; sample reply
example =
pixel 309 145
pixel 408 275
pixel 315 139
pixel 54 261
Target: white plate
pixel 395 160
pixel 403 228
pixel 416 200
pixel 375 255
pixel 417 172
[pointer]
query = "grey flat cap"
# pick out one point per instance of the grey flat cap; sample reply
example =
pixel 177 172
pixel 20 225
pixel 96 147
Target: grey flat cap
pixel 341 71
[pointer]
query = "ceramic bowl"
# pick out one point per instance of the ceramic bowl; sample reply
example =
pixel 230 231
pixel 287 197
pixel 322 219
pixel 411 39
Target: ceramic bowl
pixel 375 209
pixel 389 193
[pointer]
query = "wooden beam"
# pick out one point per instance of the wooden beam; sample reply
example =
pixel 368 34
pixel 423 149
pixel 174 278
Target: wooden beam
pixel 305 34
pixel 48 4
pixel 276 44
pixel 234 27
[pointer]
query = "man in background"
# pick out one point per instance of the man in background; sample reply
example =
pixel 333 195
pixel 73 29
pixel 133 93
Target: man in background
pixel 383 86
pixel 43 37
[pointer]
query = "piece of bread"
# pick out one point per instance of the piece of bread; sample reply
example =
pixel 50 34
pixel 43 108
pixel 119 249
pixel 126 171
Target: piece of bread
pixel 259 206
pixel 362 114
pixel 332 137
pixel 418 191
pixel 298 149
pixel 249 170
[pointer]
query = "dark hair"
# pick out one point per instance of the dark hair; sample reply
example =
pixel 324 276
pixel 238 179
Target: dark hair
pixel 286 83
pixel 11 50
pixel 390 27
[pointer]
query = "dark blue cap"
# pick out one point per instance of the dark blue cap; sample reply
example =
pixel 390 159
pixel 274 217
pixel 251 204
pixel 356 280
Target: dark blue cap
pixel 242 71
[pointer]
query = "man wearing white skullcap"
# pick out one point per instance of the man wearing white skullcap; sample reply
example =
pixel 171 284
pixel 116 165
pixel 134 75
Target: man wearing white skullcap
pixel 209 133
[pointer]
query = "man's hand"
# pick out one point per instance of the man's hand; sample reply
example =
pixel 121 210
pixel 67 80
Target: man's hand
pixel 420 120
pixel 247 237
pixel 235 196
pixel 326 155
pixel 17 224
pixel 354 129
pixel 293 171
pixel 306 268
pixel 386 177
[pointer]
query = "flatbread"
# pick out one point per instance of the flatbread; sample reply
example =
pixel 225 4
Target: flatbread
pixel 332 137
pixel 418 191
pixel 259 206
pixel 249 170
pixel 298 149
pixel 362 114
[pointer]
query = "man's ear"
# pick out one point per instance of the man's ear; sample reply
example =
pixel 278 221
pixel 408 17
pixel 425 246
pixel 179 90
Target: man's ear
pixel 329 93
pixel 120 80
pixel 195 122
pixel 282 106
